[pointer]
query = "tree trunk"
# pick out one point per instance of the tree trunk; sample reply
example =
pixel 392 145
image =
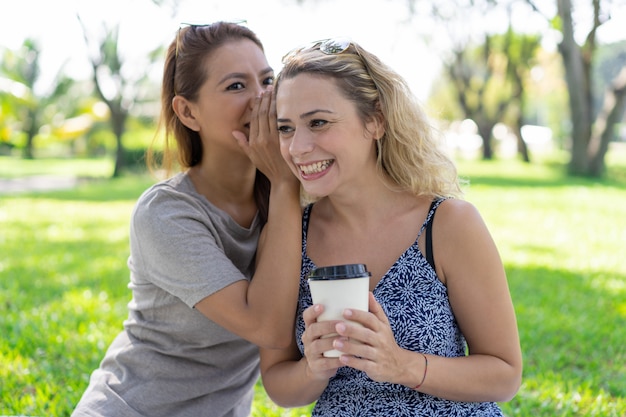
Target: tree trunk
pixel 118 120
pixel 33 127
pixel 577 88
pixel 484 130
pixel 522 148
pixel 611 113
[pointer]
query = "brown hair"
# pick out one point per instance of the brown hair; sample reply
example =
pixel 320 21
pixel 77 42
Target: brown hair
pixel 183 74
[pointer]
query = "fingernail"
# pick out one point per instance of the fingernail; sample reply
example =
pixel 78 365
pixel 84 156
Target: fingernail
pixel 338 344
pixel 347 312
pixel 340 327
pixel 317 308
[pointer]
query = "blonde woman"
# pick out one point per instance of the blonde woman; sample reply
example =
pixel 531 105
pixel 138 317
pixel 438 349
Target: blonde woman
pixel 440 337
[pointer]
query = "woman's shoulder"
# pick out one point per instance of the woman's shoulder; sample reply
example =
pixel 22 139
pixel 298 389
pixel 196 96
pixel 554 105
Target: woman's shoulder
pixel 173 186
pixel 456 214
pixel 170 195
pixel 456 207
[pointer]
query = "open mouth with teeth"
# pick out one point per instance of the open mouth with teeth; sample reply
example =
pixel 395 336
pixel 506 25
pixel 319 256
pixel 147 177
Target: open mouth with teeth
pixel 316 167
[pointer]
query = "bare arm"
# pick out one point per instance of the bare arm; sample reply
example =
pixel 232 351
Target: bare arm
pixel 285 378
pixel 480 298
pixel 263 310
pixel 293 380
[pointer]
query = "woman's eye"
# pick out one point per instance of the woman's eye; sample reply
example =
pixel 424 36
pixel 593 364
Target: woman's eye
pixel 284 130
pixel 235 86
pixel 318 123
pixel 268 81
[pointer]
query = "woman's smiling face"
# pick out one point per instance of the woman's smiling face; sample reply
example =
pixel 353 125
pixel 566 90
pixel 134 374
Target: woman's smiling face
pixel 322 137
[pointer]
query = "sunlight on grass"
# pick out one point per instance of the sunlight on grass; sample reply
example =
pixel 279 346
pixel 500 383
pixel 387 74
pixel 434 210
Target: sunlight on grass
pixel 264 407
pixel 559 238
pixel 566 398
pixel 17 167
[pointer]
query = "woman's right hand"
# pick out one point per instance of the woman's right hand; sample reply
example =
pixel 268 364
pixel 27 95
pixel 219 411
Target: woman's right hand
pixel 315 344
pixel 262 145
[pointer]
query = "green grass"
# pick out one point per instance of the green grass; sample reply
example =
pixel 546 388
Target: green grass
pixel 63 280
pixel 561 240
pixel 92 168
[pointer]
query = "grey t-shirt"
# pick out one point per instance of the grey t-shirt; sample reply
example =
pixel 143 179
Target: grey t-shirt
pixel 171 360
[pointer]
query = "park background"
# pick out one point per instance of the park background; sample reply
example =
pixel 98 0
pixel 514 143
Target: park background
pixel 544 152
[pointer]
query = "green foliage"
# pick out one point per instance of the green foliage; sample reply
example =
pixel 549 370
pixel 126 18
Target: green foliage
pixel 63 282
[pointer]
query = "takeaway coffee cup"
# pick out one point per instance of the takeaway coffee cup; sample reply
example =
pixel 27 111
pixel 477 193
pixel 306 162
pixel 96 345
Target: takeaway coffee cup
pixel 339 287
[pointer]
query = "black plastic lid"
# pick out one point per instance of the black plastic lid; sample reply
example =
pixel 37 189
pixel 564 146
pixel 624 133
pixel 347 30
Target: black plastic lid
pixel 339 272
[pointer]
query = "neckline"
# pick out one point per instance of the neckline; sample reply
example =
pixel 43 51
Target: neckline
pixel 306 215
pixel 191 189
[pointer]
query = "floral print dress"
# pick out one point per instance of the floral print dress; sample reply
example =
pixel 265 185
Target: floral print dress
pixel 417 306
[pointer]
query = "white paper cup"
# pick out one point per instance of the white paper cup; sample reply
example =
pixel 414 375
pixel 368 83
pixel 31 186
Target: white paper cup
pixel 339 287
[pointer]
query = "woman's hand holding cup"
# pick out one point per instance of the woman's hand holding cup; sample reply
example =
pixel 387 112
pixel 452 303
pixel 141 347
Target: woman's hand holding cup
pixel 318 338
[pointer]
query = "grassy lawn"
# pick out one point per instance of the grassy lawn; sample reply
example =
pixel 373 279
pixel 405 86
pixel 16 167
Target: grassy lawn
pixel 63 280
pixel 92 168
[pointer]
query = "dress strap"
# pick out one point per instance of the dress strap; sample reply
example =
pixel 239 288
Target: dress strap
pixel 428 227
pixel 306 215
pixel 429 237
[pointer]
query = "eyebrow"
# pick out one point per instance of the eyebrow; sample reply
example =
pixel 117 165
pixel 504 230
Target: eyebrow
pixel 307 114
pixel 263 72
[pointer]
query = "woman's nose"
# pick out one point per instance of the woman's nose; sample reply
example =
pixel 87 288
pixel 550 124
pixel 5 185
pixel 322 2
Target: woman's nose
pixel 301 143
pixel 255 92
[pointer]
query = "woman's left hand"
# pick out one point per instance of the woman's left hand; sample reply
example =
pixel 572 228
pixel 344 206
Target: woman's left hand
pixel 371 348
pixel 262 145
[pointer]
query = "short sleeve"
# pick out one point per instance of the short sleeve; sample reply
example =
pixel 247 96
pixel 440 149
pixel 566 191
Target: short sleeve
pixel 180 245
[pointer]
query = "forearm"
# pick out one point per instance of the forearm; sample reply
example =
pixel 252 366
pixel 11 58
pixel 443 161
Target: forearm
pixel 470 378
pixel 273 292
pixel 289 384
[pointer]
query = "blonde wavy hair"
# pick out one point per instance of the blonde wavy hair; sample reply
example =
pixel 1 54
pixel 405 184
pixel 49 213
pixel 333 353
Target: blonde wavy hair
pixel 409 152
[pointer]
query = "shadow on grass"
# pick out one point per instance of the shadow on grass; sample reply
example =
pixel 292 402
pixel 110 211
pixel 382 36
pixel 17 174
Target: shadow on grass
pixel 498 174
pixel 572 325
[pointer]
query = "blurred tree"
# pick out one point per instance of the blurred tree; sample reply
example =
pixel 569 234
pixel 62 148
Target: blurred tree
pixel 519 51
pixel 111 86
pixel 476 76
pixel 608 62
pixel 591 130
pixel 31 109
pixel 117 86
pixel 546 97
pixel 488 71
pixel 489 83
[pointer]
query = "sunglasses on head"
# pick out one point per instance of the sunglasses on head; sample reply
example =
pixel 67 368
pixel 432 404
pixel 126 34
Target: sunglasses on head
pixel 333 46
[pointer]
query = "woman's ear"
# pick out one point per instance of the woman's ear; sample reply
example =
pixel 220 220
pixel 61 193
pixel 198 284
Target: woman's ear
pixel 380 126
pixel 376 126
pixel 184 110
